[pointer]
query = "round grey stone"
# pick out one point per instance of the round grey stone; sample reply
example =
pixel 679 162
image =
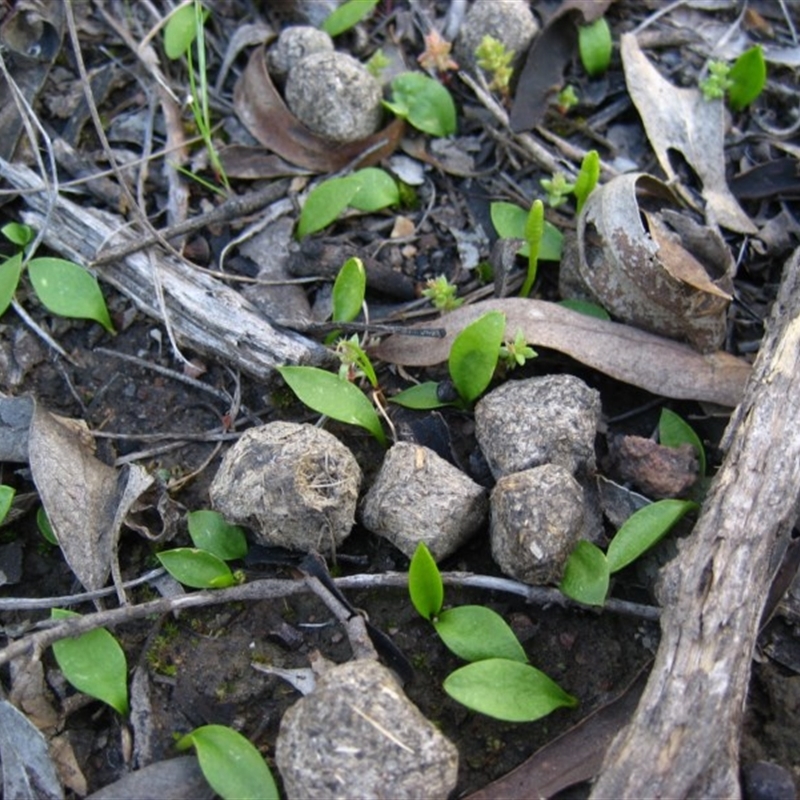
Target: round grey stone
pixel 295 485
pixel 335 96
pixel 547 420
pixel 294 44
pixel 357 735
pixel 536 519
pixel 509 21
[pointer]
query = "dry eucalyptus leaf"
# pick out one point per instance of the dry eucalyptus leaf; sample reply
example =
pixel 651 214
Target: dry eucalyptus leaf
pixel 648 277
pixel 263 112
pixel 658 365
pixel 682 121
pixel 86 501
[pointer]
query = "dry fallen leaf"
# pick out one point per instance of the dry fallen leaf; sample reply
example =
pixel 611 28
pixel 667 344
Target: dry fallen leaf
pixel 262 111
pixel 658 365
pixel 682 121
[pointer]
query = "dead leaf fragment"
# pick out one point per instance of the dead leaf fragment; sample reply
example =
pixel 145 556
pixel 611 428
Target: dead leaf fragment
pixel 681 120
pixel 658 365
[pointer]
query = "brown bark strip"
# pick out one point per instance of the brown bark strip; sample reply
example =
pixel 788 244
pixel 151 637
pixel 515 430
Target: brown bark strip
pixel 684 738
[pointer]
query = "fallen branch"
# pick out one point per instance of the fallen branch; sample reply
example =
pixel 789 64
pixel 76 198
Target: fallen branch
pixel 684 738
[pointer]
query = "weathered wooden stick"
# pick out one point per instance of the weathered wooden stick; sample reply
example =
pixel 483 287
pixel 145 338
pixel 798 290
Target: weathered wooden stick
pixel 683 740
pixel 204 313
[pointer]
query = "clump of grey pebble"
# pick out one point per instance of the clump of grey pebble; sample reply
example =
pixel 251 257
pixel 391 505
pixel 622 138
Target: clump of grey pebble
pixel 509 21
pixel 335 96
pixel 293 45
pixel 357 735
pixel 295 485
pixel 420 497
pixel 537 518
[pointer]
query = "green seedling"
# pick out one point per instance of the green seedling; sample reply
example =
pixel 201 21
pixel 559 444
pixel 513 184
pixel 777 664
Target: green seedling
pixel 369 189
pixel 509 221
pixel 499 681
pixel 495 58
pixel 63 287
pixel 377 63
pixel 534 231
pixel 355 362
pixel 558 189
pixel 347 16
pixel 424 102
pixel 197 568
pixel 94 664
pixel 349 290
pixel 515 353
pixel 6 498
pixel 232 766
pixel 588 569
pixel 442 294
pixel 587 179
pixel 595 46
pixel 567 99
pixel 210 532
pixel 743 82
pixel 184 28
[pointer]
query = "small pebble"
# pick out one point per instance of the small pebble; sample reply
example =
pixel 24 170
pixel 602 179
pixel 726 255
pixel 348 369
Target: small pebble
pixel 294 44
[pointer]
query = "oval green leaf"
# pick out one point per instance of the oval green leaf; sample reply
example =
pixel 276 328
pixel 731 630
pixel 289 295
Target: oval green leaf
pixel 586 575
pixel 347 15
pixel 338 399
pixel 45 528
pixel 425 583
pixel 423 396
pixel 180 31
pixel 94 664
pixel 673 431
pixel 586 307
pixel 232 766
pixel 594 44
pixel 509 221
pixel 349 290
pixel 324 204
pixel 10 270
pixel 507 690
pixel 748 76
pixel 67 289
pixel 476 633
pixel 424 102
pixel 473 356
pixel 375 189
pixel 6 498
pixel 643 529
pixel 198 569
pixel 211 532
pixel 17 233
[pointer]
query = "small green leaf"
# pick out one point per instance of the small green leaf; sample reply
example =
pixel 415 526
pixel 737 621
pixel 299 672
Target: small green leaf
pixel 748 77
pixel 509 222
pixel 534 233
pixel 506 690
pixel 210 532
pixel 347 16
pixel 475 633
pixel 422 397
pixel 94 664
pixel 17 233
pixel 594 44
pixel 586 575
pixel 349 290
pixel 586 307
pixel 424 102
pixel 198 569
pixel 338 399
pixel 643 529
pixel 10 270
pixel 232 766
pixel 67 289
pixel 473 356
pixel 45 528
pixel 180 31
pixel 425 583
pixel 375 189
pixel 325 202
pixel 587 178
pixel 6 498
pixel 673 431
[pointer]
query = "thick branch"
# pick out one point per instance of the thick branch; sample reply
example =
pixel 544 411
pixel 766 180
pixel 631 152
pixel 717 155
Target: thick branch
pixel 684 738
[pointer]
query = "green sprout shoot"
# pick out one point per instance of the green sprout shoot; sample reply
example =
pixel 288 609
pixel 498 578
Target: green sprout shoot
pixel 557 189
pixel 515 354
pixel 717 83
pixel 587 178
pixel 567 99
pixel 493 57
pixel 534 230
pixel 442 294
pixel 355 362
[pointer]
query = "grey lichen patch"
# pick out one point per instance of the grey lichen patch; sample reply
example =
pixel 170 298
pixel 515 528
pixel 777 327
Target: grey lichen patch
pixel 334 96
pixel 420 497
pixel 295 485
pixel 552 419
pixel 537 518
pixel 357 735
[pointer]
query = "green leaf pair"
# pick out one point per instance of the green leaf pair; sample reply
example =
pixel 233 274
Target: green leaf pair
pixel 424 102
pixel 369 189
pixel 498 682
